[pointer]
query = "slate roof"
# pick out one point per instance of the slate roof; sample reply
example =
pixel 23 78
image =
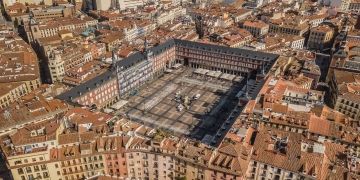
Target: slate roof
pixel 228 50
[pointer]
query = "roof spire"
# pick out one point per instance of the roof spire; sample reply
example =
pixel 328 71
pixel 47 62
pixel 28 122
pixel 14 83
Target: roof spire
pixel 146 51
pixel 113 58
pixel 145 46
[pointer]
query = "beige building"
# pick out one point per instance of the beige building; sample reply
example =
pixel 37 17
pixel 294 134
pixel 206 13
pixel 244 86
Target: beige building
pixel 320 37
pixel 129 4
pixel 19 69
pixel 52 12
pixel 102 5
pixel 289 24
pixel 38 29
pixel 11 92
pixel 170 14
pixel 354 5
pixel 256 28
pixel 28 151
pixel 82 146
pixel 344 6
pixel 64 57
pixel 11 2
pixel 344 90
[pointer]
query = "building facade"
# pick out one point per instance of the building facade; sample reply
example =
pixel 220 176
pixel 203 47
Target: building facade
pixel 320 37
pixel 256 28
pixel 137 69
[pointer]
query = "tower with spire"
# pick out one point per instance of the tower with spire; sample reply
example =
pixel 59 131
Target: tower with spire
pixel 113 58
pixel 146 51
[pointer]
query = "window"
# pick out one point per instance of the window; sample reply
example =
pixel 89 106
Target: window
pixel 20 171
pixel 18 162
pixel 30 176
pixel 28 170
pixel 36 168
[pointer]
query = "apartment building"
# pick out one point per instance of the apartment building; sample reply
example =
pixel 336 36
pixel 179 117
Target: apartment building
pixel 12 2
pixel 289 24
pixel 130 77
pixel 64 57
pixel 27 151
pixel 81 145
pixel 295 95
pixel 316 19
pixel 237 40
pixel 114 149
pixel 132 28
pixel 344 93
pixel 103 5
pixel 80 74
pixel 52 12
pixel 220 58
pixel 346 58
pixel 112 40
pixel 330 128
pixel 32 108
pixel 19 69
pixel 99 92
pixel 354 5
pixel 38 29
pixel 277 43
pixel 274 149
pixel 170 14
pixel 241 14
pixel 256 28
pixel 321 37
pixel 129 4
pixel 18 12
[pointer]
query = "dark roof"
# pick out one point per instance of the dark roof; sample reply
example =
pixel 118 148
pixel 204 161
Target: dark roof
pixel 228 50
pixel 139 57
pixel 87 86
pixel 131 60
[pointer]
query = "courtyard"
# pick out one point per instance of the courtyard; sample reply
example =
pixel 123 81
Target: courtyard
pixel 155 104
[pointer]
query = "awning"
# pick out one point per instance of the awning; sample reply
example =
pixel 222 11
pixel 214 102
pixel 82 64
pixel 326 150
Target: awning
pixel 119 104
